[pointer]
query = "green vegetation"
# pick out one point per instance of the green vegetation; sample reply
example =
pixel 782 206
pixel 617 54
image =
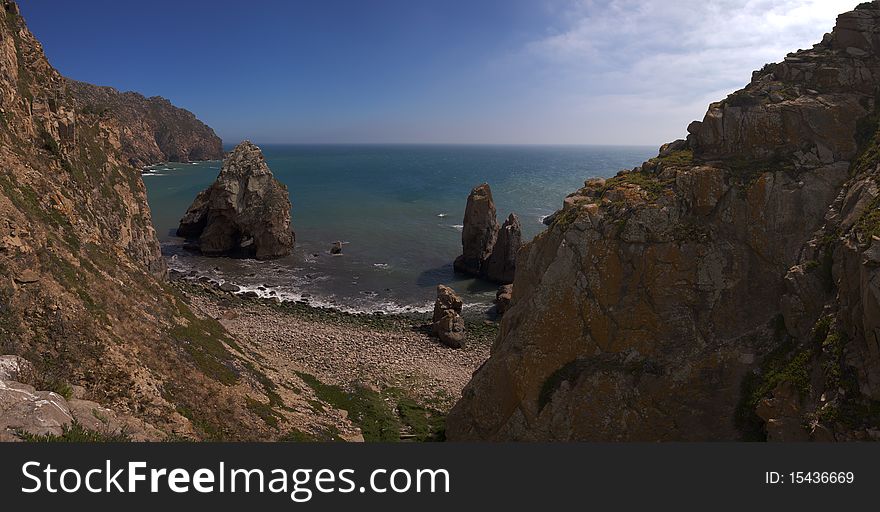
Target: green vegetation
pixel 366 408
pixel 746 171
pixel 869 224
pixel 49 143
pixel 205 340
pixel 378 421
pixel 76 433
pixel 682 158
pixel 653 186
pixel 786 363
pixel 264 411
pixel 742 99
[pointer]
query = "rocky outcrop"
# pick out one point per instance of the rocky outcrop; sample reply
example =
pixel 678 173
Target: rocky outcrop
pixel 488 251
pixel 82 284
pixel 503 298
pixel 245 213
pixel 24 411
pixel 479 233
pixel 725 289
pixel 501 265
pixel 150 130
pixel 448 325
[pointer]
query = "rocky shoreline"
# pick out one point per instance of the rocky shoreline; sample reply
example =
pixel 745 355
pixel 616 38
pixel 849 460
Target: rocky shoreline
pixel 394 356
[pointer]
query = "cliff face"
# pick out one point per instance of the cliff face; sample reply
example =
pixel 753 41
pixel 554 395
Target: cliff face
pixel 150 130
pixel 727 288
pixel 82 294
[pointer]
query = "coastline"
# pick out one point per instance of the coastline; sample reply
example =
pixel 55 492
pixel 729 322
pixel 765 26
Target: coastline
pixel 370 369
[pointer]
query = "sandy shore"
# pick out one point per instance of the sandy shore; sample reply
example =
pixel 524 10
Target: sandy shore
pixel 349 351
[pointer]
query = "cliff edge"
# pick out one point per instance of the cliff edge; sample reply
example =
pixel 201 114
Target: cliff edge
pixel 82 289
pixel 727 289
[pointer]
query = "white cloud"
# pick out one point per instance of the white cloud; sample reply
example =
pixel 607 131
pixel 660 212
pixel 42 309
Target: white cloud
pixel 666 57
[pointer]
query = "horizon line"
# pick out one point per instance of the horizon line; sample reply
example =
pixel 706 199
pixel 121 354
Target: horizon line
pixel 498 144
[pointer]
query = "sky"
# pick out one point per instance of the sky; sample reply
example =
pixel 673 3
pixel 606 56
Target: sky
pixel 622 72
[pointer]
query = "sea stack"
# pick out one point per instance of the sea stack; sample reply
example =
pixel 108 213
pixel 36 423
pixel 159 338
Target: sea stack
pixel 245 213
pixel 488 252
pixel 501 264
pixel 479 233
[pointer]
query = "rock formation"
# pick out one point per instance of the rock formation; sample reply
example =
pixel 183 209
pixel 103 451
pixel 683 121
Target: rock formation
pixel 501 265
pixel 81 272
pixel 479 233
pixel 727 289
pixel 26 411
pixel 245 213
pixel 503 298
pixel 448 325
pixel 150 130
pixel 488 251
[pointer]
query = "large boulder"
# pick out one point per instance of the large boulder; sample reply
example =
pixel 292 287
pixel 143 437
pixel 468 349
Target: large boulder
pixel 479 233
pixel 448 325
pixel 501 265
pixel 24 409
pixel 245 213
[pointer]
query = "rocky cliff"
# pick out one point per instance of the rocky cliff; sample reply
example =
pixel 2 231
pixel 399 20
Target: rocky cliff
pixel 82 290
pixel 245 212
pixel 727 289
pixel 149 130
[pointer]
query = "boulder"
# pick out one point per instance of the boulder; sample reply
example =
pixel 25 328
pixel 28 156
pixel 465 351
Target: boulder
pixel 479 233
pixel 448 325
pixel 503 298
pixel 501 265
pixel 245 213
pixel 23 408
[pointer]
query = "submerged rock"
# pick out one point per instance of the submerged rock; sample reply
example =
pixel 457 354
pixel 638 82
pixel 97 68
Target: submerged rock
pixel 448 324
pixel 245 213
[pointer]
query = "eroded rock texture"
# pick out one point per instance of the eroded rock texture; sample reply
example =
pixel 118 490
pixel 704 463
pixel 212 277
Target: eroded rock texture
pixel 726 289
pixel 246 212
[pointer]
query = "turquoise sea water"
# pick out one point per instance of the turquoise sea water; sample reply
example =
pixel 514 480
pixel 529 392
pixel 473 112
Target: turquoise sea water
pixel 398 209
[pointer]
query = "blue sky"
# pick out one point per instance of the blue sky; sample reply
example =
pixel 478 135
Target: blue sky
pixel 431 71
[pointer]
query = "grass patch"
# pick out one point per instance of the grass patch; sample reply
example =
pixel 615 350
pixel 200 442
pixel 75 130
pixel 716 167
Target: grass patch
pixel 869 224
pixel 264 411
pixel 681 158
pixel 366 408
pixel 653 186
pixel 369 410
pixel 786 363
pixel 205 341
pixel 76 433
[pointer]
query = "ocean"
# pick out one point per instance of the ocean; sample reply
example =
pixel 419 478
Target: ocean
pixel 397 208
